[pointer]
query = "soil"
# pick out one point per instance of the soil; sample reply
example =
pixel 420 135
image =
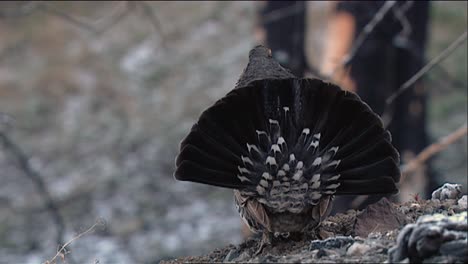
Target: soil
pixel 352 237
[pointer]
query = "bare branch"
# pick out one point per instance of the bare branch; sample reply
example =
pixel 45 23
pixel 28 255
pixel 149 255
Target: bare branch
pixel 95 28
pixel 37 179
pixel 432 149
pixel 281 13
pixel 363 35
pixel 116 17
pixel 444 54
pixel 151 15
pixel 70 19
pixel 448 78
pixel 399 13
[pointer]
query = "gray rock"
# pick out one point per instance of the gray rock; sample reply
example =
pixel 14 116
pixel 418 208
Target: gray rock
pixel 332 242
pixel 463 202
pixel 432 235
pixel 447 191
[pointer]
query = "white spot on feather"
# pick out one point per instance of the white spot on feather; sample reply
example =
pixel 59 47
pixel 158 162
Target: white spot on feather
pixel 243 170
pixel 333 186
pixel 306 131
pixel 315 185
pixel 270 160
pixel 333 163
pixel 299 165
pixel 275 148
pixel 292 157
pixel 286 109
pixel 314 144
pixel 281 173
pixel 315 178
pixel 243 178
pixel 263 183
pixel 267 176
pixel 250 147
pixel 281 141
pixel 334 149
pixel 273 122
pixel 336 177
pixel 297 175
pixel 246 160
pixel 317 161
pixel 260 190
pixel 315 195
pixel 286 167
pixel 317 136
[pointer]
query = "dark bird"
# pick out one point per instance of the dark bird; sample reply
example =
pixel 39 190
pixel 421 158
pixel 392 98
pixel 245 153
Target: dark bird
pixel 287 146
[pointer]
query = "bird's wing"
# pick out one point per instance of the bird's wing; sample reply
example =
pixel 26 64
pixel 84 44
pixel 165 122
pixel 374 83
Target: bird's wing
pixel 252 212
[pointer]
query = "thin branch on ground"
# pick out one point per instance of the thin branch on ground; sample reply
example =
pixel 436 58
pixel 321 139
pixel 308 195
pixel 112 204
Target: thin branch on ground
pixel 62 251
pixel 433 149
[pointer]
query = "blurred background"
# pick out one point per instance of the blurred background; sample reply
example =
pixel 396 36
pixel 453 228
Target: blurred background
pixel 95 97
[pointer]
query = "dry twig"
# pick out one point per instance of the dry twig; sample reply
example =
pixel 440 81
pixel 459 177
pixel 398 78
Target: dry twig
pixel 281 13
pixel 363 36
pixel 444 54
pixel 62 251
pixel 432 149
pixel 106 24
pixel 151 15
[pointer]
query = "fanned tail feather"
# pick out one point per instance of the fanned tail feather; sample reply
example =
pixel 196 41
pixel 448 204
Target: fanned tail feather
pixel 300 138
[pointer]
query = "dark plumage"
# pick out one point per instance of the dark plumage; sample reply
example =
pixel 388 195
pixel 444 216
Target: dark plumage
pixel 287 146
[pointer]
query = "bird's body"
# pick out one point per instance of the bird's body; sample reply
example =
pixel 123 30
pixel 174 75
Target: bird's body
pixel 287 146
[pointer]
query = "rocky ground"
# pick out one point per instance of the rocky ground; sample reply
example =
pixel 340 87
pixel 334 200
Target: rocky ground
pixel 367 236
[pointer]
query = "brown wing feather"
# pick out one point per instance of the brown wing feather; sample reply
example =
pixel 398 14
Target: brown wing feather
pixel 252 212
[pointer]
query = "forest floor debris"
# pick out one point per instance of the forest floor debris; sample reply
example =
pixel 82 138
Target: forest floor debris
pixel 352 237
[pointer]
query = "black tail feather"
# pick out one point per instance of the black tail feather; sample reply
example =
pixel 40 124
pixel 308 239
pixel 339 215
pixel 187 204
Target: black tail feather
pixel 298 120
